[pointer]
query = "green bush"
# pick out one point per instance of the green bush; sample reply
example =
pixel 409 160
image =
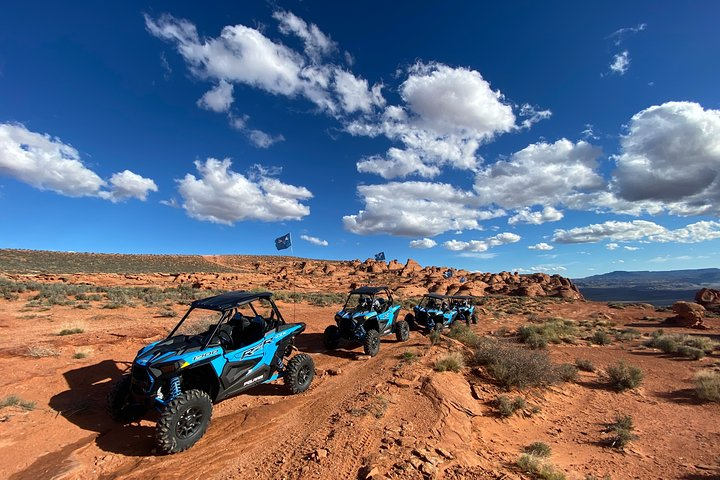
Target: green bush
pixel 584 364
pixel 512 366
pixel 601 338
pixel 452 362
pixel 707 385
pixel 435 336
pixel 621 431
pixel 690 346
pixel 507 406
pixel 567 372
pixel 538 449
pixel 15 401
pixel 70 331
pixel 464 334
pixel 552 330
pixel 538 468
pixel 624 377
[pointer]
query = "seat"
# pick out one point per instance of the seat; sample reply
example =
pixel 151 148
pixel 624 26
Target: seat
pixel 254 331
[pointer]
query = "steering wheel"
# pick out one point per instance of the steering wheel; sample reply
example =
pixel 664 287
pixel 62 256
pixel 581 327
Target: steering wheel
pixel 224 339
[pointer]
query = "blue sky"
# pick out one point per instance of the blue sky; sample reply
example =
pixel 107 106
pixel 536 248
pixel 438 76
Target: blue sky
pixel 564 137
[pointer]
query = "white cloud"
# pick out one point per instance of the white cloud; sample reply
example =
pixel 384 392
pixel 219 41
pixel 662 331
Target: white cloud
pixel 620 35
pixel 589 132
pixel 221 195
pixel 263 140
pixel 314 240
pixel 423 243
pixel 541 268
pixel 547 214
pixel 612 246
pixel 631 249
pixel 447 114
pixel 354 93
pixel 680 258
pixel 541 246
pixel 540 174
pixel 670 160
pixel 532 115
pixel 638 230
pixel 416 209
pixel 218 99
pixel 481 245
pixel 620 63
pixel 317 44
pixel 126 184
pixel 47 163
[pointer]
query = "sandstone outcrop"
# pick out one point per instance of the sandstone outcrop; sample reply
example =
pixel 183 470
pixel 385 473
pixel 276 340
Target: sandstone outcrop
pixel 689 314
pixel 709 298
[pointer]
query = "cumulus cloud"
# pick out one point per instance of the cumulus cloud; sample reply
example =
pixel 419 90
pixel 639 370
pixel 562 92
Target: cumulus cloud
pixel 540 174
pixel 547 214
pixel 47 163
pixel 423 243
pixel 638 230
pixel 481 245
pixel 221 195
pixel 314 240
pixel 612 246
pixel 355 94
pixel 416 209
pixel 317 44
pixel 620 63
pixel 631 249
pixel 218 99
pixel 257 137
pixel 670 160
pixel 541 246
pixel 126 184
pixel 447 114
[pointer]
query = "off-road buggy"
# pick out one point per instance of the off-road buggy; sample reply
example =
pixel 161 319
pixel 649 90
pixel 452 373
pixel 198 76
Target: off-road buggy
pixel 368 314
pixel 433 312
pixel 221 347
pixel 465 307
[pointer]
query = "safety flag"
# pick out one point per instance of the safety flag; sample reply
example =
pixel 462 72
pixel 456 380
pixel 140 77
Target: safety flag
pixel 380 256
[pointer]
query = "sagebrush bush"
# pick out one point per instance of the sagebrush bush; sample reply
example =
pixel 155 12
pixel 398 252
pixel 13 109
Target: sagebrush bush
pixel 538 468
pixel 601 338
pixel 584 364
pixel 552 330
pixel 707 385
pixel 435 336
pixel 621 431
pixel 464 334
pixel 690 346
pixel 15 401
pixel 515 367
pixel 453 362
pixel 539 449
pixel 567 372
pixel 622 376
pixel 507 406
pixel 70 331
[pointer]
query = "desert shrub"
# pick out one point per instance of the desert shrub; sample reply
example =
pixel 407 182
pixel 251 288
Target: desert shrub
pixel 451 362
pixel 567 372
pixel 538 449
pixel 117 298
pixel 15 401
pixel 622 376
pixel 552 330
pixel 691 346
pixel 37 351
pixel 70 331
pixel 601 338
pixel 83 306
pixel 621 431
pixel 408 356
pixel 168 312
pixel 627 334
pixel 538 467
pixel 463 334
pixel 617 306
pixel 507 406
pixel 707 385
pixel 501 332
pixel 514 366
pixel 584 364
pixel 435 337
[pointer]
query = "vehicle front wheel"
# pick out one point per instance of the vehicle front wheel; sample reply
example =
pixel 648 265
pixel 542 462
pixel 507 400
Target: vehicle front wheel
pixel 184 421
pixel 299 373
pixel 372 343
pixel 118 402
pixel 410 319
pixel 402 331
pixel 331 338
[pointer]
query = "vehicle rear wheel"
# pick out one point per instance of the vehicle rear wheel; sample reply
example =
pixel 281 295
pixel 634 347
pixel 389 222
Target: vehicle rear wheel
pixel 402 331
pixel 118 402
pixel 410 319
pixel 331 338
pixel 184 421
pixel 299 373
pixel 372 343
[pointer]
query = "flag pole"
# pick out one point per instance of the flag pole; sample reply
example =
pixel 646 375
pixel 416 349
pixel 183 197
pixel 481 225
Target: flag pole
pixel 292 252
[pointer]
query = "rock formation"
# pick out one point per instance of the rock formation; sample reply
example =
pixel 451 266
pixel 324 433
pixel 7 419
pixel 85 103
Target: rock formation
pixel 688 315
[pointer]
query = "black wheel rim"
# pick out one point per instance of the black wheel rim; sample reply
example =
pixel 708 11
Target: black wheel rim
pixel 189 422
pixel 303 374
pixel 375 342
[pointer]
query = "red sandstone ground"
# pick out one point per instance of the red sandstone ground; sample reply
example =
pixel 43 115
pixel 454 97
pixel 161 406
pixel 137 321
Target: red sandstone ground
pixel 381 414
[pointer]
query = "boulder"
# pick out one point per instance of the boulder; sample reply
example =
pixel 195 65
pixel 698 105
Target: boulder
pixel 530 290
pixel 689 314
pixel 709 298
pixel 394 266
pixel 411 266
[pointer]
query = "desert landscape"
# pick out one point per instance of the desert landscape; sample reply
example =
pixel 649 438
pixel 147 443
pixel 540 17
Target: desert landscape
pixel 546 385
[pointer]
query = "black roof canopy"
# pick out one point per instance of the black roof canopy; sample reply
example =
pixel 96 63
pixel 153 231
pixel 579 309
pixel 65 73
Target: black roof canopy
pixel 462 297
pixel 367 290
pixel 229 300
pixel 436 296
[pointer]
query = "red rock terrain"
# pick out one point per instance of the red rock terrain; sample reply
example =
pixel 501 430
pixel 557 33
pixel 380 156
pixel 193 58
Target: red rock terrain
pixel 391 416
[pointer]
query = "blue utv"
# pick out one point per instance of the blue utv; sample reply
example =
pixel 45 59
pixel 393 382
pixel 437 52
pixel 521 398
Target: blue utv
pixel 221 347
pixel 433 313
pixel 368 314
pixel 465 307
